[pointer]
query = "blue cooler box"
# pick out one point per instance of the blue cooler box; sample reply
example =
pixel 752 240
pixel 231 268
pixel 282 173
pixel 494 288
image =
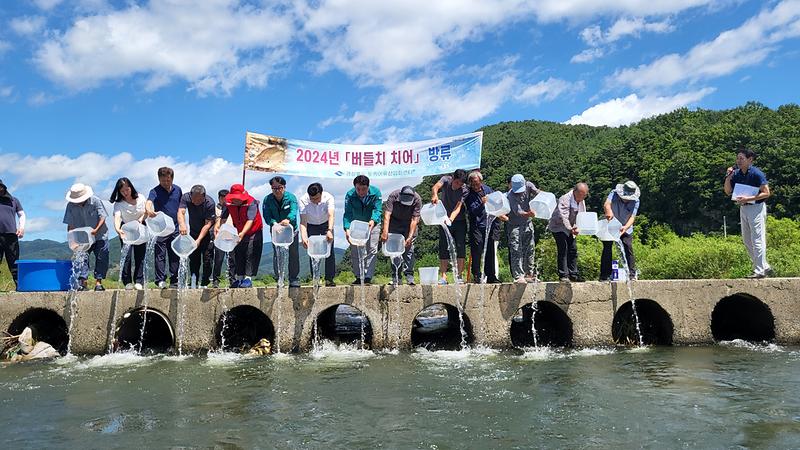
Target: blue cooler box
pixel 43 275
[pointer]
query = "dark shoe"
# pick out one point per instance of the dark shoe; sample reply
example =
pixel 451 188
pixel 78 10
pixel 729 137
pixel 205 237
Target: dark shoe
pixel 246 283
pixel 99 288
pixel 768 272
pixel 367 281
pixel 330 283
pixel 564 280
pixel 294 284
pixel 493 281
pixel 356 282
pixel 81 288
pixel 215 285
pixel 173 285
pixel 756 276
pixel 577 279
pixel 605 278
pixel 235 283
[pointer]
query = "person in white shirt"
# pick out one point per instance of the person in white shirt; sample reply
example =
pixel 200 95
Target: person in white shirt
pixel 316 219
pixel 129 207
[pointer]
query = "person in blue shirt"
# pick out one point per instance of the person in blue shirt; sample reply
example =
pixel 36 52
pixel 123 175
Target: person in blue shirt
pixel 752 208
pixel 475 201
pixel 622 204
pixel 83 210
pixel 166 198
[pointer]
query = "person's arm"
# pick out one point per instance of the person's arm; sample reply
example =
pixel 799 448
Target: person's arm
pixel 99 224
pixel 217 225
pixel 245 229
pixel 304 230
pixel 118 222
pixel 149 207
pixel 387 216
pixel 563 211
pixel 435 191
pixel 411 231
pixel 728 186
pixel 456 210
pixel 204 231
pixel 21 225
pixel 265 212
pixel 607 208
pixel 629 223
pixel 101 213
pixel 377 207
pixel 293 211
pixel 182 221
pixel 347 217
pixel 331 214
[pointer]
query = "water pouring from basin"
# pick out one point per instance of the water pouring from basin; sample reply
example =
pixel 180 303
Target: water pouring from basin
pixel 608 230
pixel 227 238
pixel 160 225
pixel 433 213
pixel 282 235
pixel 319 247
pixel 359 233
pixel 80 239
pixel 183 246
pixel 497 204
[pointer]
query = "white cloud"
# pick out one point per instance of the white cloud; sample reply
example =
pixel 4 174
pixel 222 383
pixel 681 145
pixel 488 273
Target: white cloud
pixel 28 25
pixel 215 45
pixel 732 50
pixel 552 10
pixel 548 90
pixel 40 98
pixel 40 224
pixel 6 91
pixel 55 205
pixel 601 42
pixel 46 4
pixel 631 109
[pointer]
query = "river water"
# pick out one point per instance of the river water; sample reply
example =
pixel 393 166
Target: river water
pixel 713 397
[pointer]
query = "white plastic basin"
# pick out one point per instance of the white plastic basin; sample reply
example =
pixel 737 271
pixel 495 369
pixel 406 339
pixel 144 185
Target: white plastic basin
pixel 227 238
pixel 318 247
pixel 282 235
pixel 80 239
pixel 433 214
pixel 587 223
pixel 359 233
pixel 497 204
pixel 608 230
pixel 543 205
pixel 428 275
pixel 394 246
pixel 161 225
pixel 135 233
pixel 183 246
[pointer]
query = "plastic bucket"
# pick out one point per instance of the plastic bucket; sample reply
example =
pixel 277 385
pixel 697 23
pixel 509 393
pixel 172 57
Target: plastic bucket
pixel 497 204
pixel 43 275
pixel 543 205
pixel 608 230
pixel 428 275
pixel 587 223
pixel 183 246
pixel 135 233
pixel 282 235
pixel 161 225
pixel 433 214
pixel 227 238
pixel 394 246
pixel 359 232
pixel 318 247
pixel 80 239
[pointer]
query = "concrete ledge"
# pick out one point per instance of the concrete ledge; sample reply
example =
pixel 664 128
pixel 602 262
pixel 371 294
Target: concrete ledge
pixel 590 306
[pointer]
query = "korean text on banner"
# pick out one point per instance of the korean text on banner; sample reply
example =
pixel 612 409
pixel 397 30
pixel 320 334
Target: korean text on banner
pixel 409 159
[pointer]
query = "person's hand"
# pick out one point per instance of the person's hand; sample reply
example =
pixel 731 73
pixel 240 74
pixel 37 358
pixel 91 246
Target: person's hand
pixel 484 199
pixel 197 242
pixel 94 232
pixel 150 213
pixel 305 243
pixel 183 230
pixel 447 221
pixel 20 232
pixel 435 199
pixel 742 200
pixel 384 235
pixel 609 216
pixel 623 229
pixel 284 222
pixel 347 236
pixel 371 224
pixel 329 235
pixel 241 236
pixel 121 234
pixel 575 231
pixel 729 172
pixel 408 242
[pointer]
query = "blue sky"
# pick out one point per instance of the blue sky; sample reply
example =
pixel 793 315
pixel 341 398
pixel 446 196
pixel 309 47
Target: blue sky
pixel 91 90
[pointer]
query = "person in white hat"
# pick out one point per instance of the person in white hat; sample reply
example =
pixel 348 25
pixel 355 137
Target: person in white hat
pixel 622 204
pixel 86 210
pixel 519 229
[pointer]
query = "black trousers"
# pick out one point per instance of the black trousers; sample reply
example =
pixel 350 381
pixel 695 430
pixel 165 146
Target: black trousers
pixel 566 254
pixel 162 251
pixel 477 236
pixel 330 262
pixel 9 249
pixel 605 259
pixel 203 254
pixel 248 254
pixel 138 252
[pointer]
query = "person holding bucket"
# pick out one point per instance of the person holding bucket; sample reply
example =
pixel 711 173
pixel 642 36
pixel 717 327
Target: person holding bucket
pixel 10 231
pixel 129 207
pixel 453 190
pixel 219 255
pixel 564 228
pixel 475 203
pixel 86 210
pixel 622 204
pixel 202 215
pixel 317 209
pixel 519 229
pixel 401 216
pixel 280 208
pixel 244 211
pixel 363 203
pixel 166 198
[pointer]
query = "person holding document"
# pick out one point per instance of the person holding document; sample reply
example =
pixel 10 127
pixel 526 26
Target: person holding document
pixel 747 186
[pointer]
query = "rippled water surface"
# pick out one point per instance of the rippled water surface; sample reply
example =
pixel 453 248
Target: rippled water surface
pixel 722 396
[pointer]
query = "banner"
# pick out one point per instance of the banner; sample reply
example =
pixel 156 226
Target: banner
pixel 316 159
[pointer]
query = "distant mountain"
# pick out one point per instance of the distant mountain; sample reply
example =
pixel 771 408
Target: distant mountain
pixel 47 249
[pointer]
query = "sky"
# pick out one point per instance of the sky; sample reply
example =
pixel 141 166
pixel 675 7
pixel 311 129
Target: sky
pixel 92 90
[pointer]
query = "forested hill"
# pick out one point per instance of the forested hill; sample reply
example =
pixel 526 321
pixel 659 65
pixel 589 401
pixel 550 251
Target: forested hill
pixel 678 160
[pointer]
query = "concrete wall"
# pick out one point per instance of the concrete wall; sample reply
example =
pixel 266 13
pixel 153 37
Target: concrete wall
pixel 590 306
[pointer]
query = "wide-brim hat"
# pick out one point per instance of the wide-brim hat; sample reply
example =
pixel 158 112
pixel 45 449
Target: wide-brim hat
pixel 237 192
pixel 79 193
pixel 628 191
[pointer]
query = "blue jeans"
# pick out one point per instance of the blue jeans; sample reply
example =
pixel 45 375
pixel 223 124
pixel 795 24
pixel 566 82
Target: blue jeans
pixel 100 250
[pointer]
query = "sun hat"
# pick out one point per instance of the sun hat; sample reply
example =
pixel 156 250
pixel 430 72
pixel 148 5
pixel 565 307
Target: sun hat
pixel 237 192
pixel 79 193
pixel 518 184
pixel 407 195
pixel 628 191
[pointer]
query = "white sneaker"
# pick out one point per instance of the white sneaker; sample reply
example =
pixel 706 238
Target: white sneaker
pixel 138 286
pixel 129 287
pixel 162 285
pixel 521 280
